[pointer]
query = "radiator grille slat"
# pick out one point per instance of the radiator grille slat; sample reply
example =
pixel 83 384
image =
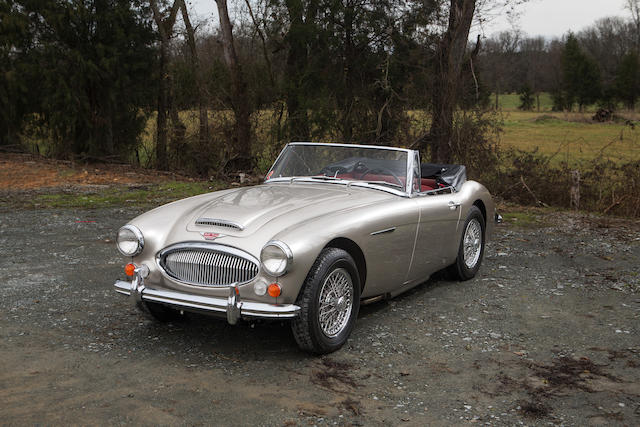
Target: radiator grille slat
pixel 207 267
pixel 219 223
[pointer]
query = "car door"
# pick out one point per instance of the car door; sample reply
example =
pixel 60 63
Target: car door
pixel 436 244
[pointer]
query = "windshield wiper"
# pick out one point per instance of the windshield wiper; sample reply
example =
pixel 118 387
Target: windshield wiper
pixel 390 184
pixel 325 178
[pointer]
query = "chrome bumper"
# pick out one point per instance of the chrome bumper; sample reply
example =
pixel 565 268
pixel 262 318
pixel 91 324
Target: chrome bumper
pixel 232 306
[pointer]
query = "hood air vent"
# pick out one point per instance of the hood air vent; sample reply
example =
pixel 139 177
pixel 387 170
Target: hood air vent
pixel 219 223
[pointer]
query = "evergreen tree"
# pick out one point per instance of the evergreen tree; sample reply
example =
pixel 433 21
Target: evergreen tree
pixel 526 99
pixel 87 65
pixel 15 44
pixel 580 75
pixel 627 83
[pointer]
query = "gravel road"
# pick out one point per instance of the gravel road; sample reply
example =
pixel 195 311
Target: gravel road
pixel 547 333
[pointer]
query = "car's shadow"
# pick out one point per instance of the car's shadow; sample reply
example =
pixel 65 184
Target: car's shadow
pixel 437 280
pixel 200 336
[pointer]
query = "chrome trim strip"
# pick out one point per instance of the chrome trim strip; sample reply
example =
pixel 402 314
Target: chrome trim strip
pixel 212 304
pixel 386 230
pixel 219 223
pixel 337 144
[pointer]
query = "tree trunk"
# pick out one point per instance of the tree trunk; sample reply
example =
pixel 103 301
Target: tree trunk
pixel 296 65
pixel 203 133
pixel 450 57
pixel 165 27
pixel 240 99
pixel 347 100
pixel 161 120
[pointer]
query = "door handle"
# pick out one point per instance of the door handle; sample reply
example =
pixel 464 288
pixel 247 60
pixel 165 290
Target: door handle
pixel 454 205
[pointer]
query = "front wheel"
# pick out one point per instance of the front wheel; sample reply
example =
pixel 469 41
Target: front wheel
pixel 471 249
pixel 329 302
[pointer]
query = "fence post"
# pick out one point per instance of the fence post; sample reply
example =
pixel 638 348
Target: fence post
pixel 575 189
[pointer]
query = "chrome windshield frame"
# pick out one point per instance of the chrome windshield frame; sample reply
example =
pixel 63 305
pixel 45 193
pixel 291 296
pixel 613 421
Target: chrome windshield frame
pixel 406 192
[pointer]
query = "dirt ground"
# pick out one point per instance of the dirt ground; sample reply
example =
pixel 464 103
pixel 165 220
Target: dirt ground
pixel 29 172
pixel 547 333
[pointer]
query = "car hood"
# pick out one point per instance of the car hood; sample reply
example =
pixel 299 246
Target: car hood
pixel 250 216
pixel 248 209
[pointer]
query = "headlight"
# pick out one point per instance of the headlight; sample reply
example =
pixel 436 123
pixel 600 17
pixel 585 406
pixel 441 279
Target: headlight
pixel 276 258
pixel 129 240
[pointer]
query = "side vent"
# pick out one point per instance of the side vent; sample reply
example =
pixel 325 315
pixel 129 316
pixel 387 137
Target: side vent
pixel 219 223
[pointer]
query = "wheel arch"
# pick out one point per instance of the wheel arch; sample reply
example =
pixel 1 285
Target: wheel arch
pixel 480 205
pixel 356 253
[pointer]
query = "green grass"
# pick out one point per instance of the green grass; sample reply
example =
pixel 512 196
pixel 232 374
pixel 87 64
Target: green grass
pixel 524 217
pixel 135 196
pixel 571 137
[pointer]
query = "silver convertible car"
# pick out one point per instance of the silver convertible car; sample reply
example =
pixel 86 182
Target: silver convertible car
pixel 333 226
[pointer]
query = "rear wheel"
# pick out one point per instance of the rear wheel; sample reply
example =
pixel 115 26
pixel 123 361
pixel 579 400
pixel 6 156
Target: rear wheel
pixel 471 249
pixel 329 302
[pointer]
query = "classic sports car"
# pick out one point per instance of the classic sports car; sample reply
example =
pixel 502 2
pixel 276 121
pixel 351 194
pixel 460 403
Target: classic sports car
pixel 331 227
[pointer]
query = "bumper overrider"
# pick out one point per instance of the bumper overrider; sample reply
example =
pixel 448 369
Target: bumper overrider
pixel 232 306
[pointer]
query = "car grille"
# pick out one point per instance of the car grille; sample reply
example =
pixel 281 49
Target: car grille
pixel 208 265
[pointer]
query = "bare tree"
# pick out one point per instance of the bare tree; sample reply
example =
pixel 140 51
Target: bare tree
pixel 634 8
pixel 239 96
pixel 203 135
pixel 449 61
pixel 165 28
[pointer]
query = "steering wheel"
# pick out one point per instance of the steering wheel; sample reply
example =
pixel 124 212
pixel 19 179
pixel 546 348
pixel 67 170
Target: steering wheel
pixel 360 167
pixel 333 170
pixel 383 171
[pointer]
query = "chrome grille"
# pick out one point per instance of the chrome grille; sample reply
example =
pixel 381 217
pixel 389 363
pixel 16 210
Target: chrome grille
pixel 219 223
pixel 208 265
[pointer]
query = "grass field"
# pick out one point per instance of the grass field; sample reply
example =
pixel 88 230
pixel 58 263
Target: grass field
pixel 570 137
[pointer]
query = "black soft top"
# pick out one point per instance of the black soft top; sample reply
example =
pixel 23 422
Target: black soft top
pixel 453 175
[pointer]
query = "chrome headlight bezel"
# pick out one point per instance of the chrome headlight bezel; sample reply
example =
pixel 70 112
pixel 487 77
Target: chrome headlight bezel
pixel 282 254
pixel 138 236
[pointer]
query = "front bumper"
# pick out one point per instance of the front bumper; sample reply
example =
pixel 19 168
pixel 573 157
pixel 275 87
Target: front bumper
pixel 231 306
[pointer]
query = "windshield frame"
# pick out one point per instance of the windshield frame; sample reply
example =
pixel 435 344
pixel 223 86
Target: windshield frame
pixel 405 192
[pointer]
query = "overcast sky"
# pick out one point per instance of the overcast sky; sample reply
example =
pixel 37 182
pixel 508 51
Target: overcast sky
pixel 548 18
pixel 556 17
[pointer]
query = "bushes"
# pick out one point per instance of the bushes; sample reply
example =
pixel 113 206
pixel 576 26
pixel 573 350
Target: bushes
pixel 532 178
pixel 605 187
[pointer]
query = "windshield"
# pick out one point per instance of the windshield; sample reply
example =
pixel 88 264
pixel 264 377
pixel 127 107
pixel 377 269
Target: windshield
pixel 331 162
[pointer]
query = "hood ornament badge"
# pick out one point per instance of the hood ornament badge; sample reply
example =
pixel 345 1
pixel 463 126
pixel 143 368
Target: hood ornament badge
pixel 211 236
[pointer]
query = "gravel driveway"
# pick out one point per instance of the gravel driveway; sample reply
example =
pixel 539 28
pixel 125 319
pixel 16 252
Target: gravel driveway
pixel 547 333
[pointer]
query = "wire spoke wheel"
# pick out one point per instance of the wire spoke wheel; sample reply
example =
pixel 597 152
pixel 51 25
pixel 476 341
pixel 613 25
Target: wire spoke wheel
pixel 335 302
pixel 329 302
pixel 472 243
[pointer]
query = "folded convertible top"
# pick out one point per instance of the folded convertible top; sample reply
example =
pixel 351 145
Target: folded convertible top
pixel 453 175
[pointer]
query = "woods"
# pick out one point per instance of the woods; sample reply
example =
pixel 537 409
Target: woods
pixel 87 78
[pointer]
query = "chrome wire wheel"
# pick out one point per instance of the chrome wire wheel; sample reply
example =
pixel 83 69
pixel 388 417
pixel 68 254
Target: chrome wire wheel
pixel 472 243
pixel 336 302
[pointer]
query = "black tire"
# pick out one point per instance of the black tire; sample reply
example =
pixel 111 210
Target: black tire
pixel 465 269
pixel 162 312
pixel 332 265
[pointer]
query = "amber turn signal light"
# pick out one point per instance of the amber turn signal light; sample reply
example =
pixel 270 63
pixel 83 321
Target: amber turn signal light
pixel 129 269
pixel 274 290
